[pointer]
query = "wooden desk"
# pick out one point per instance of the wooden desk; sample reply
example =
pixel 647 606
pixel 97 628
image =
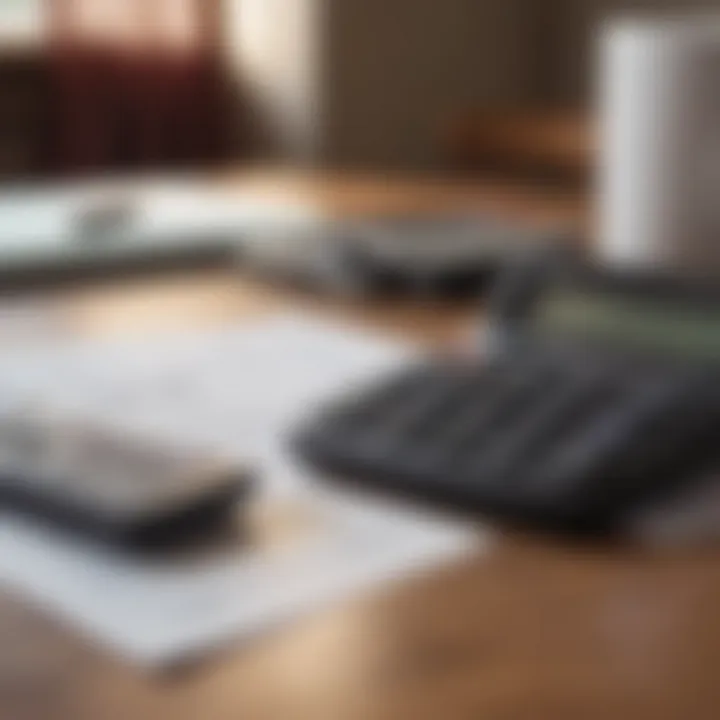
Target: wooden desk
pixel 343 194
pixel 529 631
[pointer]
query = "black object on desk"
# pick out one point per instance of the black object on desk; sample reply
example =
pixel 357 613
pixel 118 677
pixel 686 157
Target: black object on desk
pixel 599 395
pixel 131 493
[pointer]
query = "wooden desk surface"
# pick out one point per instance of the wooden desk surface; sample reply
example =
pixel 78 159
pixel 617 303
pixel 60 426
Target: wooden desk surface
pixel 346 194
pixel 530 630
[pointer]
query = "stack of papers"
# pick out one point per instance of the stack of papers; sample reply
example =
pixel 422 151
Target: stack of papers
pixel 237 390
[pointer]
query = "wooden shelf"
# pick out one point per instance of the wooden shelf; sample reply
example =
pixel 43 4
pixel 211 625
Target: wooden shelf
pixel 560 143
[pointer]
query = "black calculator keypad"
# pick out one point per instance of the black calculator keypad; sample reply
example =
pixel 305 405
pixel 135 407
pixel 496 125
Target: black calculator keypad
pixel 536 439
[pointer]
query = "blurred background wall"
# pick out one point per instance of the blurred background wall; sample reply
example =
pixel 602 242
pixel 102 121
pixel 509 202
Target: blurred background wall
pixel 397 70
pixel 369 83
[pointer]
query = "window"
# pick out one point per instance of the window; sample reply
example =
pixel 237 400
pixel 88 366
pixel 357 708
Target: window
pixel 20 20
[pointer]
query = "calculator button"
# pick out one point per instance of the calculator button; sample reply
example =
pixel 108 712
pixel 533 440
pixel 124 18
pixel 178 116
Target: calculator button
pixel 544 423
pixel 634 426
pixel 496 415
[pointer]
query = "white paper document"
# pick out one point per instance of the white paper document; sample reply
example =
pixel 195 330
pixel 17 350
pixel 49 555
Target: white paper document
pixel 237 390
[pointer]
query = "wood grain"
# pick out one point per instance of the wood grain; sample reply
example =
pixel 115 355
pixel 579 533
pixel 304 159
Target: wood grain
pixel 530 630
pixel 526 143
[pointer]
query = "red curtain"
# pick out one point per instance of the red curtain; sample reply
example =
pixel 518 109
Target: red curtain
pixel 135 84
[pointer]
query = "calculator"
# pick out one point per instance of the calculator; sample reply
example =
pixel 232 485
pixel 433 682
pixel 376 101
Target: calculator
pixel 598 395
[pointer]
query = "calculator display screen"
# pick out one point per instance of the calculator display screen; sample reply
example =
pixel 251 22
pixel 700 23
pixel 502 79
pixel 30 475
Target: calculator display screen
pixel 642 324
